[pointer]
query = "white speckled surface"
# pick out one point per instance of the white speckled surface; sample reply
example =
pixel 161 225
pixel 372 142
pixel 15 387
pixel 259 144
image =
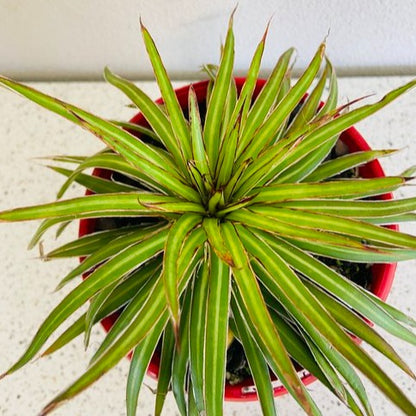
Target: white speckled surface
pixel 26 131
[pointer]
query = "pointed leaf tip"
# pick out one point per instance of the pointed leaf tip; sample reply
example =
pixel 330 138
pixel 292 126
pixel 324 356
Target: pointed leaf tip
pixel 232 14
pixel 327 35
pixel 263 39
pixel 49 408
pixel 322 48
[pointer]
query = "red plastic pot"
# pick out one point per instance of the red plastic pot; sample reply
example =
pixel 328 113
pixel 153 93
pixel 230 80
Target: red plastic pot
pixel 382 274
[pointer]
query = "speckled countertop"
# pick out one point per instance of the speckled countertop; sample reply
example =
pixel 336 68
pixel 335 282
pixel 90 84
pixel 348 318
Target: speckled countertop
pixel 26 284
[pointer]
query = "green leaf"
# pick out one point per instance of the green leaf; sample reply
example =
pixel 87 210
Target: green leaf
pixel 152 311
pixel 40 98
pixel 339 225
pixel 257 363
pixel 354 209
pixel 297 345
pixel 200 182
pixel 177 119
pixel 181 355
pixel 300 350
pixel 226 158
pixel 332 99
pixel 343 163
pixel 327 133
pixel 216 334
pixel 234 206
pixel 44 226
pixel 88 244
pixel 94 183
pixel 343 189
pixel 61 228
pixel 261 325
pixel 353 295
pixel 67 158
pixel 232 183
pixel 192 409
pixel 133 149
pixel 90 206
pixel 297 170
pixel 96 304
pixel 227 114
pixel 240 107
pixel 116 163
pixel 294 292
pixel 210 70
pixel 178 233
pixel 198 148
pixel 165 369
pixel 128 314
pixel 149 160
pixel 137 128
pixel 391 310
pixel 142 355
pixel 119 243
pixel 310 106
pixel 153 114
pixel 216 240
pixel 114 269
pixel 356 325
pixel 268 163
pixel 322 242
pixel 246 93
pixel 323 351
pixel 268 130
pixel 197 332
pixel 218 99
pixel 264 101
pixel 257 171
pixel 122 294
pixel 344 368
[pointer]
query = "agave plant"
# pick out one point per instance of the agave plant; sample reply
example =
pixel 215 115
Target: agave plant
pixel 235 208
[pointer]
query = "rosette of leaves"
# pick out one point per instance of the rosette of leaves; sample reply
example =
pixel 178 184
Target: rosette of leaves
pixel 244 207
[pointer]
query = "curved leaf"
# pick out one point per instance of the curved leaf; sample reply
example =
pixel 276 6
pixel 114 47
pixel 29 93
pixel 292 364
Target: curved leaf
pixel 178 233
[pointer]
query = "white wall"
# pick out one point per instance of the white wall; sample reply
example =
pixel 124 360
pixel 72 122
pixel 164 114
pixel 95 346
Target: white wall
pixel 75 39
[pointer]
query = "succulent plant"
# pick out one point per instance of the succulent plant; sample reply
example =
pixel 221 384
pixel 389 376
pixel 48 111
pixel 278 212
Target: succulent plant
pixel 232 207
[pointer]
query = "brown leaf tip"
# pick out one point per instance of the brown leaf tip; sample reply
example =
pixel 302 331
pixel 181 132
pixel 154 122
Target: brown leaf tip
pixel 49 408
